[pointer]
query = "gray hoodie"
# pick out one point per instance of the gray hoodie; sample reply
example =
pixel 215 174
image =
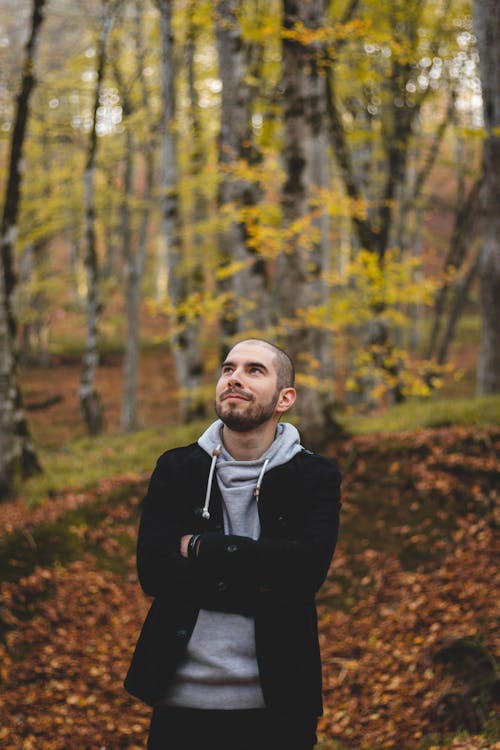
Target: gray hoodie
pixel 220 667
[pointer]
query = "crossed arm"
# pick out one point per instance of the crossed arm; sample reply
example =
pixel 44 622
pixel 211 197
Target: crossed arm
pixel 280 564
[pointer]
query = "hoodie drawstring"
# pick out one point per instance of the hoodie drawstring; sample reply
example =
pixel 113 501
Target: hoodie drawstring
pixel 205 513
pixel 256 491
pixel 215 455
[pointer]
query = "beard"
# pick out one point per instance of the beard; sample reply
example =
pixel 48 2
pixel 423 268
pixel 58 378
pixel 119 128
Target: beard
pixel 253 416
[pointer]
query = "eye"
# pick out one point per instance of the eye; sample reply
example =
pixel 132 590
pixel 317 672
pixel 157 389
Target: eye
pixel 255 368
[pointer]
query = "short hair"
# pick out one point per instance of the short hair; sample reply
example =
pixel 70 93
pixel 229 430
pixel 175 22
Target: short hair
pixel 285 369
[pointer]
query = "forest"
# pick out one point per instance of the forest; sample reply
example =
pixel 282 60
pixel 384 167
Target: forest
pixel 177 175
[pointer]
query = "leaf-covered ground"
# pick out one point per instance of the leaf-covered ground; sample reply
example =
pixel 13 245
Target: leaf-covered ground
pixel 409 616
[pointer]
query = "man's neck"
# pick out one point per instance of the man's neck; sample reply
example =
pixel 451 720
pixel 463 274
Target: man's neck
pixel 248 446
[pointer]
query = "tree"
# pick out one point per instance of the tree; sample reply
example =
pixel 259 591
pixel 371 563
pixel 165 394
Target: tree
pixel 16 448
pixel 184 328
pixel 251 306
pixel 372 126
pixel 242 164
pixel 139 119
pixel 90 400
pixel 460 242
pixel 376 129
pixel 301 264
pixel 487 26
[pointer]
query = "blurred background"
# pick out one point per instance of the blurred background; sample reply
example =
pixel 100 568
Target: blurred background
pixel 179 175
pixel 176 176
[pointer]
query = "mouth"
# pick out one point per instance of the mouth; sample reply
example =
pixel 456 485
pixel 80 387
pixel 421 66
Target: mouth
pixel 234 396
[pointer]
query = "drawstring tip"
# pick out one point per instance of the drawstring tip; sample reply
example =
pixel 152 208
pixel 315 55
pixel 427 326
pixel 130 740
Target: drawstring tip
pixel 215 454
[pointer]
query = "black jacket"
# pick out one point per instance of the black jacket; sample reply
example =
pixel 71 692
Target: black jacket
pixel 274 579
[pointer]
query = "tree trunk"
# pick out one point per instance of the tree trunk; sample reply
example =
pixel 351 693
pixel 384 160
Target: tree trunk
pixel 462 289
pixel 131 357
pixel 135 258
pixel 16 449
pixel 184 332
pixel 487 26
pixel 197 163
pixel 134 272
pixel 299 267
pixel 33 338
pixel 32 302
pixel 250 309
pixel 90 400
pixel 73 242
pixel 317 175
pixel 112 228
pixel 9 442
pixel 464 225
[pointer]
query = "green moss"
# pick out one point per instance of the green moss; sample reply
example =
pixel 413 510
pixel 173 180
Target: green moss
pixel 84 462
pixel 47 544
pixel 72 346
pixel 435 412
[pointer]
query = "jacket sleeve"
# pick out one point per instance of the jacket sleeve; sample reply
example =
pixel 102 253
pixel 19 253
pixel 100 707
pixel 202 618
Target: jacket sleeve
pixel 164 520
pixel 298 564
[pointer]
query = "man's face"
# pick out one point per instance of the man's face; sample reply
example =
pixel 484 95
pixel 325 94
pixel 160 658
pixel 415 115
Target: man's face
pixel 246 394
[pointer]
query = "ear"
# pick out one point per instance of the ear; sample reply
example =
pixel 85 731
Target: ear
pixel 286 400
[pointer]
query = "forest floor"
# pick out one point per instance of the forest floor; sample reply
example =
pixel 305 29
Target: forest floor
pixel 409 616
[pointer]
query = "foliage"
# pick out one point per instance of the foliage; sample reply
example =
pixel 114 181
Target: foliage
pixel 390 59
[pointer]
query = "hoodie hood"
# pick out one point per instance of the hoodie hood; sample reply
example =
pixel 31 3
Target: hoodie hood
pixel 236 475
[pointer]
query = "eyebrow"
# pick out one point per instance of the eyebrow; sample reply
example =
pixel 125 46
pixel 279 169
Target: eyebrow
pixel 247 364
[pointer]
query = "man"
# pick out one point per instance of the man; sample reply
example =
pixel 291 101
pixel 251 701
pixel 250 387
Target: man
pixel 236 536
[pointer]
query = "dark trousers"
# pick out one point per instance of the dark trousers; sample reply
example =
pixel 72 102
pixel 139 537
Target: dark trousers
pixel 259 729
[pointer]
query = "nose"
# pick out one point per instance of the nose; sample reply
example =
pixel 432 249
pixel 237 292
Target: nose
pixel 234 378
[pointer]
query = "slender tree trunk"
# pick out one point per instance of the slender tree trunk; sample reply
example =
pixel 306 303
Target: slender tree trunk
pixel 197 164
pixel 135 259
pixel 462 290
pixel 251 307
pixel 185 332
pixel 464 225
pixel 407 233
pixel 317 175
pixel 90 400
pixel 16 448
pixel 34 331
pixel 131 358
pixel 73 241
pixel 9 440
pixel 32 305
pixel 298 267
pixel 112 229
pixel 134 271
pixel 487 26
